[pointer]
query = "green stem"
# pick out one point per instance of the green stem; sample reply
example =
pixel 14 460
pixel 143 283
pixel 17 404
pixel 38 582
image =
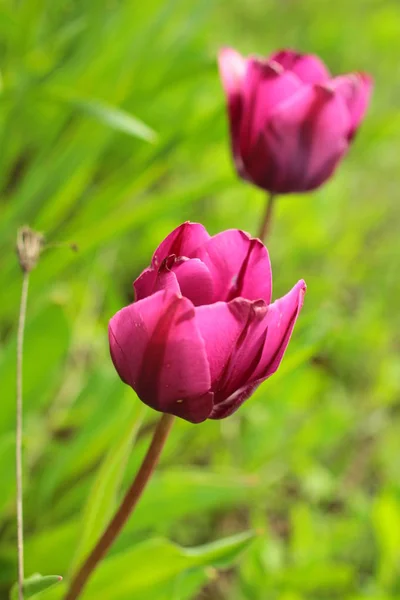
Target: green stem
pixel 18 433
pixel 267 218
pixel 125 509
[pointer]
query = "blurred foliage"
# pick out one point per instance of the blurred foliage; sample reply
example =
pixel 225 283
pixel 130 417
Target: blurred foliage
pixel 112 132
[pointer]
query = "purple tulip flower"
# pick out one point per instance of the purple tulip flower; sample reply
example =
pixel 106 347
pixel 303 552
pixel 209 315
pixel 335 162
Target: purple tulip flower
pixel 290 122
pixel 202 334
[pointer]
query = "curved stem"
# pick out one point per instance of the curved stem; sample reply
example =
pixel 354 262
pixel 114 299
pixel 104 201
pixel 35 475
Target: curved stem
pixel 18 433
pixel 267 218
pixel 125 509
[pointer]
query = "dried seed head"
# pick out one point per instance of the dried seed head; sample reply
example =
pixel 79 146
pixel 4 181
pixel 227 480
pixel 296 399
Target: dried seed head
pixel 29 246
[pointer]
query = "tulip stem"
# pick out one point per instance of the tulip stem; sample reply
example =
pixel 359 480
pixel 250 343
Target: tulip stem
pixel 18 433
pixel 267 218
pixel 125 509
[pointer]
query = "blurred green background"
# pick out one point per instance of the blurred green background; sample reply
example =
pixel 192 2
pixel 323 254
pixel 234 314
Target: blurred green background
pixel 113 131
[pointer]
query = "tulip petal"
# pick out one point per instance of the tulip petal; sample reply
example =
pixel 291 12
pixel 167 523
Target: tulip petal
pixel 239 266
pixel 182 241
pixel 219 330
pixel 266 85
pixel 152 280
pixel 188 277
pixel 157 349
pixel 278 326
pixel 234 346
pixel 232 68
pixel 166 278
pixel 356 90
pixel 308 67
pixel 232 403
pixel 306 137
pixel 194 279
pixel 144 284
pixel 280 321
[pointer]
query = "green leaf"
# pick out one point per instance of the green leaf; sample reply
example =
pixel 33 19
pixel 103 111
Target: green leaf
pixel 184 586
pixel 116 118
pixel 187 492
pixel 35 584
pixel 112 116
pixel 101 502
pixel 157 561
pixel 386 522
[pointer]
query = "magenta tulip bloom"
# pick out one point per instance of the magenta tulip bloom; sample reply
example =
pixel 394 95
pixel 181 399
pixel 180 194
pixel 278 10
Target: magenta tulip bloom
pixel 290 122
pixel 202 334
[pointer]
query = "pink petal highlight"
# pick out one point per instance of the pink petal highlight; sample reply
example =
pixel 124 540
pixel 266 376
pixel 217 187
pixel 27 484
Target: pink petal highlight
pixel 308 67
pixel 356 90
pixel 232 67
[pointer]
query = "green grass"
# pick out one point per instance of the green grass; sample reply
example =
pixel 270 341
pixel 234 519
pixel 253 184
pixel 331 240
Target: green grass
pixel 112 132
